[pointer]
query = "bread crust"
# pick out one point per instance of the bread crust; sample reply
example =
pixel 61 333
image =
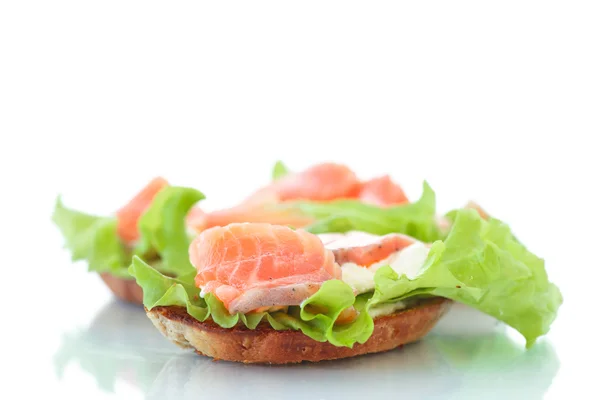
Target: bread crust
pixel 266 345
pixel 125 289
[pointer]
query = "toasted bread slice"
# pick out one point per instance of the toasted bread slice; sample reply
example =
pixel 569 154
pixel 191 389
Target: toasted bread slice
pixel 266 345
pixel 125 289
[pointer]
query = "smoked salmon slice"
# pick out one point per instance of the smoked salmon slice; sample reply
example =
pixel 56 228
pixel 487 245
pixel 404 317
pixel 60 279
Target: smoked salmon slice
pixel 382 191
pixel 248 213
pixel 321 182
pixel 360 255
pixel 264 214
pixel 128 215
pixel 365 255
pixel 249 266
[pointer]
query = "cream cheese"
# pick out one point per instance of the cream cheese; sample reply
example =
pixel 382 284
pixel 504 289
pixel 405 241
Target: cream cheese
pixel 407 261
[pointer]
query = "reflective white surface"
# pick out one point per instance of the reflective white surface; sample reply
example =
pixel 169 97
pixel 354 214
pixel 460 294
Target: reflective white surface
pixel 441 367
pixel 121 346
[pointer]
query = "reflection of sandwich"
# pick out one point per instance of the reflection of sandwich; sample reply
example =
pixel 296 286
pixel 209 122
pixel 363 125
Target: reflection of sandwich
pixel 495 364
pixel 108 243
pixel 183 378
pixel 448 367
pixel 269 294
pixel 103 351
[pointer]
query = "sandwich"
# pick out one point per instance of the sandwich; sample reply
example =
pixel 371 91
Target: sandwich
pixel 107 243
pixel 317 265
pixel 359 278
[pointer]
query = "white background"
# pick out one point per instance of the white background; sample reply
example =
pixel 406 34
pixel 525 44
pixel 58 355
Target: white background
pixel 493 101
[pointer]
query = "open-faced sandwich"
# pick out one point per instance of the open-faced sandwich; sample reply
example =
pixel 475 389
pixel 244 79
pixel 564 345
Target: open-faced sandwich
pixel 357 277
pixel 107 243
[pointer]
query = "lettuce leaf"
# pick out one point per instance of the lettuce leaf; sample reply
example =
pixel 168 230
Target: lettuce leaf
pixel 416 219
pixel 279 170
pixel 482 265
pixel 91 238
pixel 162 234
pixel 163 230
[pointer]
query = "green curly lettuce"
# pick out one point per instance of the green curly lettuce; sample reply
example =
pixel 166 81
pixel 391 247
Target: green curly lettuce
pixel 91 238
pixel 482 265
pixel 162 229
pixel 416 219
